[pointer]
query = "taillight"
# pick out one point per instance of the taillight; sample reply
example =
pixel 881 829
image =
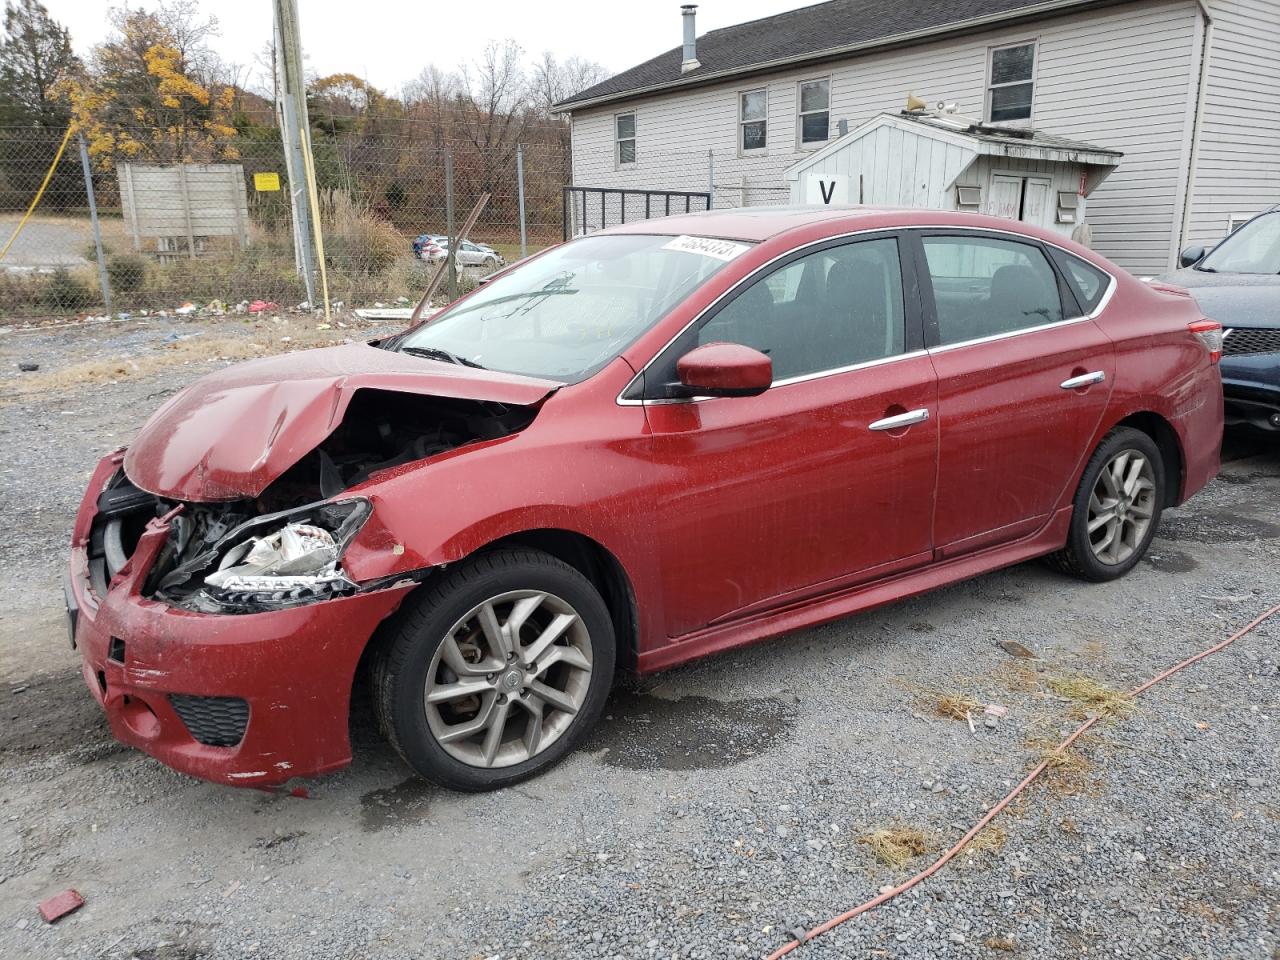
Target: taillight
pixel 1209 332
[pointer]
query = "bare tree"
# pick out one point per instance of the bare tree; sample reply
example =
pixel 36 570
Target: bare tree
pixel 553 80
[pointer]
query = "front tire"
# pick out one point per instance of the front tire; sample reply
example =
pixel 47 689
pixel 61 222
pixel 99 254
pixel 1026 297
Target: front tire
pixel 1117 508
pixel 491 675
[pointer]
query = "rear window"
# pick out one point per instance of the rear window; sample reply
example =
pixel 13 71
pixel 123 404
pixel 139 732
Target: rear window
pixel 1087 282
pixel 985 287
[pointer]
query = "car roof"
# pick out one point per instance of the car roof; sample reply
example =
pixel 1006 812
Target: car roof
pixel 757 224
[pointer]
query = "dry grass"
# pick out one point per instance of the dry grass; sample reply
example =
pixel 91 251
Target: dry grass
pixel 191 350
pixel 1091 697
pixel 1066 771
pixel 1018 678
pixel 989 840
pixel 896 845
pixel 954 706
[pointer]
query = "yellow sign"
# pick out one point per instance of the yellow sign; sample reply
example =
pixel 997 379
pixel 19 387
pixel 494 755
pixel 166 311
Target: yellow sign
pixel 264 182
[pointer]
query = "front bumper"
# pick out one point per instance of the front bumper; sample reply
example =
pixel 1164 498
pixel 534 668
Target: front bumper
pixel 292 668
pixel 1251 390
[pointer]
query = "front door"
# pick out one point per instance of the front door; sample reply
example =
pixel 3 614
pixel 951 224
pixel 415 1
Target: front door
pixel 1022 385
pixel 811 486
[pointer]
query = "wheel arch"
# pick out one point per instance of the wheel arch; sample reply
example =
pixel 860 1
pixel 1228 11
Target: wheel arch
pixel 584 554
pixel 606 573
pixel 1166 439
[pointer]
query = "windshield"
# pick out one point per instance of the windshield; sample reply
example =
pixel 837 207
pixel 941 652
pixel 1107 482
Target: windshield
pixel 1254 248
pixel 568 313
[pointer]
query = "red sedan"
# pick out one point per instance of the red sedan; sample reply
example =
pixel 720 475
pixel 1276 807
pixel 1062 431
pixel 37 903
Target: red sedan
pixel 639 447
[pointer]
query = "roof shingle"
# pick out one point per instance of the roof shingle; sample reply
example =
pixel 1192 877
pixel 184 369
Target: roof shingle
pixel 809 32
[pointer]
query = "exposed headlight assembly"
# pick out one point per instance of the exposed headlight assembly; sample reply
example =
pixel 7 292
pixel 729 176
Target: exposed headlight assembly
pixel 276 560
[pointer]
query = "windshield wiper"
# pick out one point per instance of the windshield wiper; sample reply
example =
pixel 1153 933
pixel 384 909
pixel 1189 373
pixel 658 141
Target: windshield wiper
pixel 435 353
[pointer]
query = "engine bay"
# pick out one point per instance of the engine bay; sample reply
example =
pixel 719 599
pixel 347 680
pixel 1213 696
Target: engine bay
pixel 285 547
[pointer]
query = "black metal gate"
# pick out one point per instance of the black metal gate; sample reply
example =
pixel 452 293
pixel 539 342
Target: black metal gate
pixel 587 209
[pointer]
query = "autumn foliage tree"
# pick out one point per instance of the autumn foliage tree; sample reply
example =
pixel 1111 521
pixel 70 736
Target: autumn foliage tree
pixel 153 91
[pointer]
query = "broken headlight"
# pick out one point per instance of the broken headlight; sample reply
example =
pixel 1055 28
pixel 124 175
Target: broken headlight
pixel 280 559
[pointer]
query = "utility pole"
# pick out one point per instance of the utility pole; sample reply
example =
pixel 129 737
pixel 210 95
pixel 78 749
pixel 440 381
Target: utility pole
pixel 291 107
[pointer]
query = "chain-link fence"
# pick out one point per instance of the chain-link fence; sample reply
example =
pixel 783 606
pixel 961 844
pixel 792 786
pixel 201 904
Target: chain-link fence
pixel 220 235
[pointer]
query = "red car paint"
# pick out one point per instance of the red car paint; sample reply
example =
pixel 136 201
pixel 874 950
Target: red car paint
pixel 731 519
pixel 266 414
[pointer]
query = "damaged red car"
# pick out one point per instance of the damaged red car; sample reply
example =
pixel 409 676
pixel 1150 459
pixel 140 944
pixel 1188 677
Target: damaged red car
pixel 642 446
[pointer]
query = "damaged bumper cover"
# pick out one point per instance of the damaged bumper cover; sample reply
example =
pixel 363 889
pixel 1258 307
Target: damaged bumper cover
pixel 245 681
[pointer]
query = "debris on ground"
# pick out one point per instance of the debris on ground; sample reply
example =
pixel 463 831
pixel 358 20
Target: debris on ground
pixel 1091 697
pixel 59 905
pixel 896 845
pixel 955 706
pixel 1015 649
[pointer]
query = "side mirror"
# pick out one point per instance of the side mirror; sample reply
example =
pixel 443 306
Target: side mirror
pixel 723 370
pixel 1190 256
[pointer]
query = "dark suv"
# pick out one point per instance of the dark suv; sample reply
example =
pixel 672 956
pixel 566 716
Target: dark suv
pixel 1237 283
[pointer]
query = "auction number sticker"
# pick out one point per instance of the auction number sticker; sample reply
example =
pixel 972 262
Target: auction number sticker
pixel 707 247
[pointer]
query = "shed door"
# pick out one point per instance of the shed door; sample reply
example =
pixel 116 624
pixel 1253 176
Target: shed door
pixel 1006 197
pixel 1035 201
pixel 1021 198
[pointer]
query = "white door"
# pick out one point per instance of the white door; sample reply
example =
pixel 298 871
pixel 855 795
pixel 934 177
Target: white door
pixel 1035 201
pixel 1006 196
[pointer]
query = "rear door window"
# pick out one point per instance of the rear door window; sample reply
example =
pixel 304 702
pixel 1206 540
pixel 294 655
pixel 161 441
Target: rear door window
pixel 985 287
pixel 1087 282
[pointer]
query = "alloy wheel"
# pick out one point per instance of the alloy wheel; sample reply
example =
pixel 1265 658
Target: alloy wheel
pixel 508 679
pixel 1121 507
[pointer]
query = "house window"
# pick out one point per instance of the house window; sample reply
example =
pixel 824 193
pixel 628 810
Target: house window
pixel 1012 84
pixel 815 111
pixel 625 136
pixel 754 110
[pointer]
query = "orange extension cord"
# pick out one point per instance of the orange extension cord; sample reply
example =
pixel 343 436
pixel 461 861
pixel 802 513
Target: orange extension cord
pixel 995 811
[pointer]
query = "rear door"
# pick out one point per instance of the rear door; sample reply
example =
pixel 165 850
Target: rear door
pixel 813 485
pixel 1023 380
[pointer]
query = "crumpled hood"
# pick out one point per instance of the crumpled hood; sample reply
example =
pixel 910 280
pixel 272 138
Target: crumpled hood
pixel 230 434
pixel 1233 299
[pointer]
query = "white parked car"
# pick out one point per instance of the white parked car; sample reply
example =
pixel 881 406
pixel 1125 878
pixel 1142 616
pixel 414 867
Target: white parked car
pixel 436 248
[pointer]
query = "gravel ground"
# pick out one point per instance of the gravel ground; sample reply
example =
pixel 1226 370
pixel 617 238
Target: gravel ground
pixel 718 807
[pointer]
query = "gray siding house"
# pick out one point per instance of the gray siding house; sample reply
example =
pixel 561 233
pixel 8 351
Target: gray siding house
pixel 1187 90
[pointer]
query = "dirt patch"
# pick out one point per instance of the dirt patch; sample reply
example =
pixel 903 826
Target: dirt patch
pixel 1170 561
pixel 1216 527
pixel 645 732
pixel 188 350
pixel 53 713
pixel 407 802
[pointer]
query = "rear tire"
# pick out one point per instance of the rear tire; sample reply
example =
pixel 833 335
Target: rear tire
pixel 1116 509
pixel 495 672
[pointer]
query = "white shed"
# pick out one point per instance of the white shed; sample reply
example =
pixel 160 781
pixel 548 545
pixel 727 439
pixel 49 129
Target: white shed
pixel 946 162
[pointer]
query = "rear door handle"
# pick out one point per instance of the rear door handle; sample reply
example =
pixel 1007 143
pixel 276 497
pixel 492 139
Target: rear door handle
pixel 900 420
pixel 1084 380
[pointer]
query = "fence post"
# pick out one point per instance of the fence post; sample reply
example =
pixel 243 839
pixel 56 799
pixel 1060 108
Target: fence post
pixel 524 239
pixel 97 230
pixel 451 267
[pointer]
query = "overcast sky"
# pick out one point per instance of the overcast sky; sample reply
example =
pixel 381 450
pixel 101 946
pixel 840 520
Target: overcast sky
pixel 390 41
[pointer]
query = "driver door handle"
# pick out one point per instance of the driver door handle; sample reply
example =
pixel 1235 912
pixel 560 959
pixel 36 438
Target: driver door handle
pixel 900 420
pixel 1084 380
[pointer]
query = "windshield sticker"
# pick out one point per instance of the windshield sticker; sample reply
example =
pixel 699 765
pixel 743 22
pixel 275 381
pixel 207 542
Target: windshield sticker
pixel 720 249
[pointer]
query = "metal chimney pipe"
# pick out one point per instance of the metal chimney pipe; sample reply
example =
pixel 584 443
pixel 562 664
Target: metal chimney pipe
pixel 688 11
